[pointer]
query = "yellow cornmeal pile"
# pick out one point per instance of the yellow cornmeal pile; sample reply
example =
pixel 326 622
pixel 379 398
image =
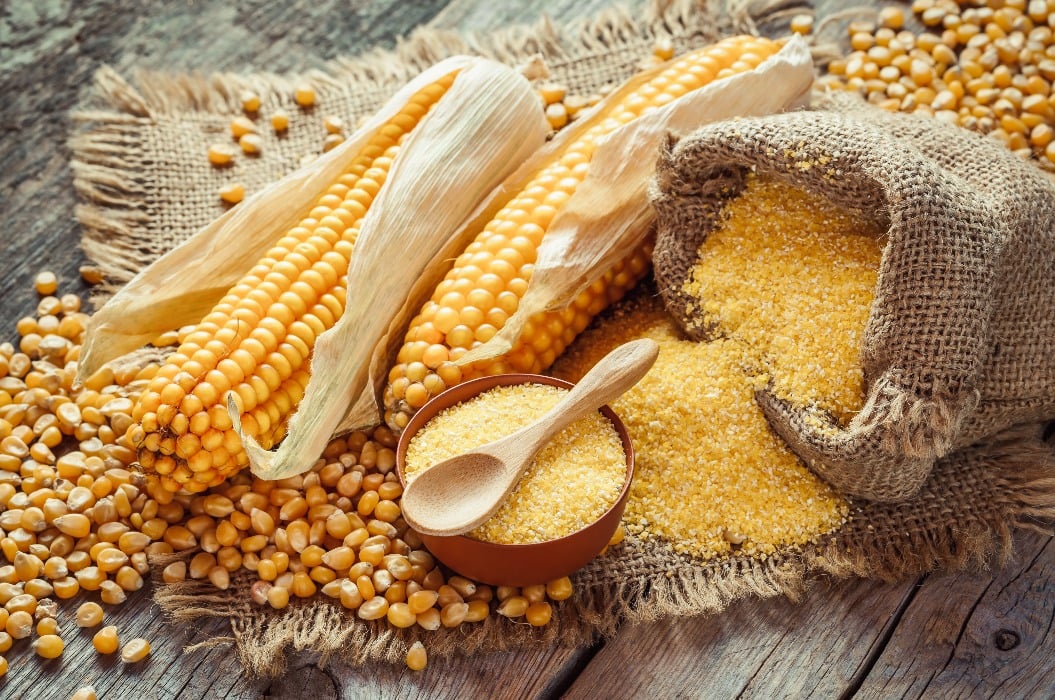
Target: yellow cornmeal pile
pixel 572 482
pixel 793 278
pixel 709 473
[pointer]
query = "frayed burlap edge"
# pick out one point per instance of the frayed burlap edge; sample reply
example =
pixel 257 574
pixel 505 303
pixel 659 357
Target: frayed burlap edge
pixel 639 582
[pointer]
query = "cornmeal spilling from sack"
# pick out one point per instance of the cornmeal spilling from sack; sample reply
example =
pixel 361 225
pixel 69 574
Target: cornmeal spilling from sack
pixel 786 280
pixel 792 276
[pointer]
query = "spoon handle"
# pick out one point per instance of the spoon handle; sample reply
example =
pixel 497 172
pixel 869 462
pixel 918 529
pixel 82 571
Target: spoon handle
pixel 606 381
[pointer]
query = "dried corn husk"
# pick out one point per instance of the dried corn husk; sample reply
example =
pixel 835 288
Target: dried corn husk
pixel 486 124
pixel 608 216
pixel 183 285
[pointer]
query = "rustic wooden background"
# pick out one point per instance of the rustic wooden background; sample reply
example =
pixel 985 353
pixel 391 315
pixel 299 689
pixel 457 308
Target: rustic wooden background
pixel 968 635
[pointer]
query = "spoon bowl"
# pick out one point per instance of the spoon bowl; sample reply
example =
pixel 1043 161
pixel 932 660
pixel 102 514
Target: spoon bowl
pixel 517 564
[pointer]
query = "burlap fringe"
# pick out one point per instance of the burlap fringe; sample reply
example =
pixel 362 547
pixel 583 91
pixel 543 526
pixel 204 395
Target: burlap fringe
pixel 1021 465
pixel 601 606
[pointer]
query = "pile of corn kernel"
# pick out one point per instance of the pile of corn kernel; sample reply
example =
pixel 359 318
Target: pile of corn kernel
pixel 77 522
pixel 572 481
pixel 986 66
pixel 710 477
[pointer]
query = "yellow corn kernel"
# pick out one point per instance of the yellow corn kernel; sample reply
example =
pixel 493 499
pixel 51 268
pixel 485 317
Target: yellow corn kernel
pixel 89 614
pixel 477 611
pixel 280 120
pixel 250 100
pixel 19 624
pixel 45 283
pixel 105 640
pixel 513 607
pixel 257 340
pixel 559 589
pixel 539 614
pixel 417 657
pixel 399 615
pixel 47 625
pixel 251 144
pixel 85 693
pixel 304 95
pixel 49 646
pixel 278 597
pixel 232 193
pixel 489 278
pixel 135 651
pixel 373 609
pixel 220 154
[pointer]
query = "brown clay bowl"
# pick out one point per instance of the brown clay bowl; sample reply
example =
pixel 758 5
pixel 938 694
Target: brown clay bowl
pixel 517 564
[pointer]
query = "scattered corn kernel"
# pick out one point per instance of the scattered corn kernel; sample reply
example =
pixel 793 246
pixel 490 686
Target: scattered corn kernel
pixel 250 101
pixel 240 126
pixel 251 144
pixel 84 693
pixel 232 193
pixel 417 657
pixel 333 125
pixel 105 640
pixel 45 283
pixel 801 24
pixel 89 614
pixel 135 651
pixel 49 646
pixel 280 120
pixel 220 154
pixel 304 95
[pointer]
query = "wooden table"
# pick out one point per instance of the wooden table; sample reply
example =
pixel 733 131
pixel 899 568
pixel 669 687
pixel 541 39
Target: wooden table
pixel 968 635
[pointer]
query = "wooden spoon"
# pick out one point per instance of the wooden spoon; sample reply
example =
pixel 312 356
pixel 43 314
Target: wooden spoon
pixel 460 493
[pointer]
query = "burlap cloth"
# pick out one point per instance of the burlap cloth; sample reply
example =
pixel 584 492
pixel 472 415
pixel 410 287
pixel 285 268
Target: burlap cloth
pixel 139 165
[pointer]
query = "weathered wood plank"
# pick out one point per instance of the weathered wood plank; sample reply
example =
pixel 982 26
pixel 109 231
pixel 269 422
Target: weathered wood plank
pixel 524 674
pixel 770 648
pixel 975 635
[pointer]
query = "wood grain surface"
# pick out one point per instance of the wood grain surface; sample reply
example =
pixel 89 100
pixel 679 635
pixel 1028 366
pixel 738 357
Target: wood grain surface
pixel 945 636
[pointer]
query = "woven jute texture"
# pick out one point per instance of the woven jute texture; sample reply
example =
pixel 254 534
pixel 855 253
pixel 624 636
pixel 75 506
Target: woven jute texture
pixel 139 165
pixel 960 341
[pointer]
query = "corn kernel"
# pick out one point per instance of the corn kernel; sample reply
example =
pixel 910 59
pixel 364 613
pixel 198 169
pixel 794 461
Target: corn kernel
pixel 135 651
pixel 105 640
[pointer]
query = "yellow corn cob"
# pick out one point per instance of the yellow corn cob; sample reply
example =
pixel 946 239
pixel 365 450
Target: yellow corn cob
pixel 257 340
pixel 487 281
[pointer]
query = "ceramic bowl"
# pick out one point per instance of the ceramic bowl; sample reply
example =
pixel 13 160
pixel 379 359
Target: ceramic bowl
pixel 517 564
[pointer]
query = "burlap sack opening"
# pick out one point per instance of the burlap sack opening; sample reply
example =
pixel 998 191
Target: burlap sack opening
pixel 133 211
pixel 960 341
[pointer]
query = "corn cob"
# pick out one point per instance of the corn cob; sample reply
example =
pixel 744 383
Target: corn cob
pixel 487 282
pixel 257 339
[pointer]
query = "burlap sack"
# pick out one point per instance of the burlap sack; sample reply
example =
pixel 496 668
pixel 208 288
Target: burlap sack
pixel 960 341
pixel 133 211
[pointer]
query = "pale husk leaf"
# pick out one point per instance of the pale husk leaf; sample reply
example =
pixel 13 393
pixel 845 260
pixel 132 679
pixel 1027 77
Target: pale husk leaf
pixel 486 124
pixel 182 286
pixel 608 216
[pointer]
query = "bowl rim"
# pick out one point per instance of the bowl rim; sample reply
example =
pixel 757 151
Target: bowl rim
pixel 509 379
